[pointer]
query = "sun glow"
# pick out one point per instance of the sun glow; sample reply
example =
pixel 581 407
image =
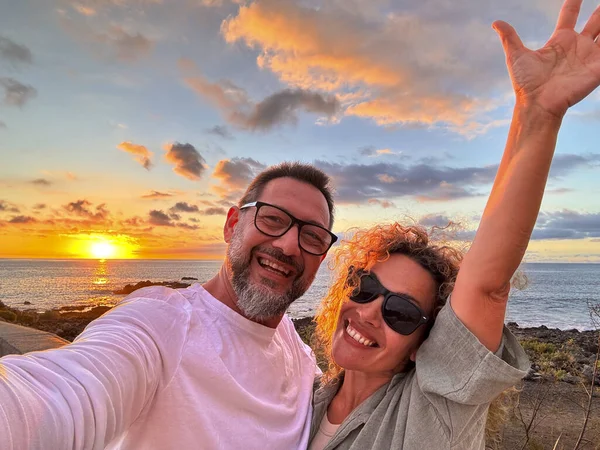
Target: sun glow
pixel 103 250
pixel 102 246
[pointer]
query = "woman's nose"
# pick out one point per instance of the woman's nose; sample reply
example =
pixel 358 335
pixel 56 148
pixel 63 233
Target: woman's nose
pixel 371 312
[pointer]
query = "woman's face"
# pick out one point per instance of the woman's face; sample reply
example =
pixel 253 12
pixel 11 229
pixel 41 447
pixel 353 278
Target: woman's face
pixel 387 351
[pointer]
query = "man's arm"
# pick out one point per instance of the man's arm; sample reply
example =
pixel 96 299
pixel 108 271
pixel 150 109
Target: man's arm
pixel 546 83
pixel 85 394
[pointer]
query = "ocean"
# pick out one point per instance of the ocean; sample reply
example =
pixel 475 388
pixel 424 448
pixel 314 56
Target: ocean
pixel 557 296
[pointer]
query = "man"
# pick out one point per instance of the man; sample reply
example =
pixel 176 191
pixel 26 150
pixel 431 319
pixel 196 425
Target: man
pixel 213 366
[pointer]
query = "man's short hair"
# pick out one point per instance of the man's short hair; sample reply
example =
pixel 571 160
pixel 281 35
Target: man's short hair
pixel 306 173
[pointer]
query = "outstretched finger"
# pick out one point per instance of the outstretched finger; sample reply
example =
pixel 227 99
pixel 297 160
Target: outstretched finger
pixel 509 37
pixel 592 27
pixel 569 14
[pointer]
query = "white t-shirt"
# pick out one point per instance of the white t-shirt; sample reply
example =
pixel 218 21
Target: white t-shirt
pixel 324 434
pixel 166 369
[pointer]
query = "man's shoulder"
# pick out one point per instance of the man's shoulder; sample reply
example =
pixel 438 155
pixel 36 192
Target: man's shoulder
pixel 287 328
pixel 174 297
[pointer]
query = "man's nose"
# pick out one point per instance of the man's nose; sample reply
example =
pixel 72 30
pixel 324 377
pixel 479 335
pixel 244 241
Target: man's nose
pixel 288 243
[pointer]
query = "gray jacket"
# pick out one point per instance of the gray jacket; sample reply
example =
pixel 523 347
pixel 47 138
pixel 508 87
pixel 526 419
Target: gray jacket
pixel 441 404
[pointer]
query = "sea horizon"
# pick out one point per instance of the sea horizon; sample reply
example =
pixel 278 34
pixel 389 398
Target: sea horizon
pixel 221 259
pixel 557 295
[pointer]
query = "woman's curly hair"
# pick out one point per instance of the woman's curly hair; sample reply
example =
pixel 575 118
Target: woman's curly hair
pixel 369 247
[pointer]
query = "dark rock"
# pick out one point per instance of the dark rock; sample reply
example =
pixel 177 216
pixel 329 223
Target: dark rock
pixel 570 379
pixel 129 288
pixel 532 375
pixel 189 278
pixel 303 322
pixel 26 302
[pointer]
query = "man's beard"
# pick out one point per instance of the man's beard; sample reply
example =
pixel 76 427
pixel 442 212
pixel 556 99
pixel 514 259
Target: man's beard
pixel 257 300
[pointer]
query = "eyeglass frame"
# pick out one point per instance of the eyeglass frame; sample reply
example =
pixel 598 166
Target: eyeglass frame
pixel 387 294
pixel 294 221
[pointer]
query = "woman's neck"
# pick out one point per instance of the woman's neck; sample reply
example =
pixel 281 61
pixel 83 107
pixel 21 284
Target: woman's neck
pixel 356 388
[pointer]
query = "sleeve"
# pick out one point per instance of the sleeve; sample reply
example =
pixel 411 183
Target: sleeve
pixel 85 394
pixel 460 377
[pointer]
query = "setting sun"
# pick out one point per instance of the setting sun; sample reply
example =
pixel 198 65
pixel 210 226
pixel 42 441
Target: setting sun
pixel 103 250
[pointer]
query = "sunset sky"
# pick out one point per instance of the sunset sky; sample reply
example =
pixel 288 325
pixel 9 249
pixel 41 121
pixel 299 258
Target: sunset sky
pixel 128 127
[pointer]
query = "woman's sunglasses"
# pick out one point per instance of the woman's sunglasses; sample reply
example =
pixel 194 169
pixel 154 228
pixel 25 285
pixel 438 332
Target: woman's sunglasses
pixel 398 311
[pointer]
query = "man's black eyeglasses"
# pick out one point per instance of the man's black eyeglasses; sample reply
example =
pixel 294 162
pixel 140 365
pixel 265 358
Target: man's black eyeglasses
pixel 275 222
pixel 397 310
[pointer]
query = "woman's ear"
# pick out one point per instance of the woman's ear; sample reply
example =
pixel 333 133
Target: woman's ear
pixel 233 217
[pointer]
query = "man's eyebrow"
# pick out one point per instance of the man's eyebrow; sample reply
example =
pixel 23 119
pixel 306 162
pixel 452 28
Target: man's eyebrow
pixel 312 222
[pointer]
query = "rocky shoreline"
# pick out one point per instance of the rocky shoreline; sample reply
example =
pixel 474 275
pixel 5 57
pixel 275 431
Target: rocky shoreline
pixel 562 355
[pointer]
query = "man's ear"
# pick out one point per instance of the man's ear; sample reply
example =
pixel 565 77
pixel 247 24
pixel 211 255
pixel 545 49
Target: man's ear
pixel 233 217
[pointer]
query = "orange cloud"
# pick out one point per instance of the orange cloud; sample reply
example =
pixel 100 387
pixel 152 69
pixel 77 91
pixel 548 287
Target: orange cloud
pixel 276 109
pixel 188 162
pixel 140 153
pixel 396 68
pixel 235 175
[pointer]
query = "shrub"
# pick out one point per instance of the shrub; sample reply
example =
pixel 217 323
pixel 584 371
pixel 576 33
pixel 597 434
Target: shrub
pixel 8 315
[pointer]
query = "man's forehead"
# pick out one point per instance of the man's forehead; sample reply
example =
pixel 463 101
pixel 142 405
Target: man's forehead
pixel 302 200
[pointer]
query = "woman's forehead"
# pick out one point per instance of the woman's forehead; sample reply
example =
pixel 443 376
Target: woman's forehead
pixel 402 274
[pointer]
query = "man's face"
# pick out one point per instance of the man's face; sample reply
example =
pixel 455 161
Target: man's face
pixel 269 273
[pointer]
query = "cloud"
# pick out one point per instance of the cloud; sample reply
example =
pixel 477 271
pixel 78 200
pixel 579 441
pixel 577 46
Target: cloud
pixel 357 183
pixel 188 162
pixel 41 182
pixel 82 208
pixel 8 207
pixel 567 224
pixel 159 218
pixel 391 67
pixel 157 194
pixel 427 181
pixel 281 108
pixel 114 43
pixel 140 153
pixel 93 7
pixel 383 203
pixel 183 207
pixel 434 220
pixel 563 163
pixel 275 110
pixel 39 206
pixel 129 47
pixel 16 93
pixel 235 174
pixel 14 53
pixel 221 131
pixel 216 211
pixel 84 10
pixel 22 220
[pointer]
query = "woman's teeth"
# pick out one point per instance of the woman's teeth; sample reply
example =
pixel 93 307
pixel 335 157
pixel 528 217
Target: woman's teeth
pixel 359 337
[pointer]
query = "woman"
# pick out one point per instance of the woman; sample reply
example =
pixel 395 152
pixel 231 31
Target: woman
pixel 392 383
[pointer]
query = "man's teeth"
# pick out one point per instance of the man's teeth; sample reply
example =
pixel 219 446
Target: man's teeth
pixel 359 337
pixel 275 266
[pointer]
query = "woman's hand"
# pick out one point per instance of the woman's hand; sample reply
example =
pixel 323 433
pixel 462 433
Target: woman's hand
pixel 561 73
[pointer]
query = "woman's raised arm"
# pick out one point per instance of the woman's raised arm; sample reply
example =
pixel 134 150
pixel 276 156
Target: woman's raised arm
pixel 546 83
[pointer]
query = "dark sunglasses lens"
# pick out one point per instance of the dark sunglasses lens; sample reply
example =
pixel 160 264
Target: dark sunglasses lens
pixel 368 290
pixel 401 315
